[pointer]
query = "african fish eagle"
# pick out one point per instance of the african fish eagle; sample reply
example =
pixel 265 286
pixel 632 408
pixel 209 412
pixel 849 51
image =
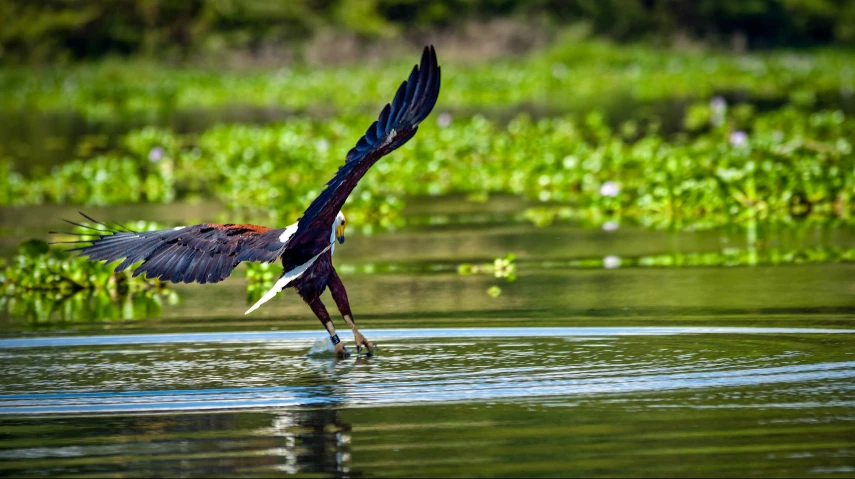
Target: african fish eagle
pixel 208 253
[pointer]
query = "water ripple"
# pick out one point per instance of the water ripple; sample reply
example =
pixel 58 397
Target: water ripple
pixel 472 333
pixel 262 370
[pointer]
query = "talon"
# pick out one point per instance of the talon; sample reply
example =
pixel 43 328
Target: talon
pixel 341 351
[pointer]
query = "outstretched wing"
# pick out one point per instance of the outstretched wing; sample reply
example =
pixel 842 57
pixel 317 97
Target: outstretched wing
pixel 205 253
pixel 398 123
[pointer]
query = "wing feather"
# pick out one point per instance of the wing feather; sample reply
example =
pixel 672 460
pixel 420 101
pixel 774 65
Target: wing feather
pixel 205 253
pixel 397 123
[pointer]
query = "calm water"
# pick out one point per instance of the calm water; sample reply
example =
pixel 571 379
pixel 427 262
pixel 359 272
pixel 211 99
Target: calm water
pixel 597 371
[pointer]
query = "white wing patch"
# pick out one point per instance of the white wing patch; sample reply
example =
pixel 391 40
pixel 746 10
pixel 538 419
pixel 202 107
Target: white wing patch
pixel 285 280
pixel 288 233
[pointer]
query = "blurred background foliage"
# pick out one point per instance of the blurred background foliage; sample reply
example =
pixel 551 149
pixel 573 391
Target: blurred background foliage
pixel 720 167
pixel 668 114
pixel 67 30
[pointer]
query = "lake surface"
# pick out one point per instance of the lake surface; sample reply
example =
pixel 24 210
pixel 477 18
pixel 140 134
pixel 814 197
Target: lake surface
pixel 582 366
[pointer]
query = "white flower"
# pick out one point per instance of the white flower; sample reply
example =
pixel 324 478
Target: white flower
pixel 718 105
pixel 611 226
pixel 443 120
pixel 156 154
pixel 609 189
pixel 611 262
pixel 738 139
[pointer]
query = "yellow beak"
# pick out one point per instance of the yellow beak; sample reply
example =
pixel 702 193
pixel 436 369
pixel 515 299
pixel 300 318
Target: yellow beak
pixel 339 233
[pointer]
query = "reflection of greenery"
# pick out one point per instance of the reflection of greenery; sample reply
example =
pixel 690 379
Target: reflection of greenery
pixel 260 278
pixel 86 305
pixel 500 268
pixel 37 267
pixel 745 166
pixel 43 282
pixel 724 258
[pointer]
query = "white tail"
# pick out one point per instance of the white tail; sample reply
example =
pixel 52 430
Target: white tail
pixel 285 280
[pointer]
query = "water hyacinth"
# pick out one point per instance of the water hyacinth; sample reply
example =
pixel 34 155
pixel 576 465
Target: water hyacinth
pixel 799 166
pixel 611 262
pixel 443 120
pixel 38 267
pixel 610 226
pixel 500 268
pixel 156 154
pixel 47 283
pixel 738 139
pixel 718 108
pixel 609 189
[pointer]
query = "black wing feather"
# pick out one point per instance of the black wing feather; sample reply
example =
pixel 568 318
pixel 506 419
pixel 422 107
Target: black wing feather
pixel 205 253
pixel 397 123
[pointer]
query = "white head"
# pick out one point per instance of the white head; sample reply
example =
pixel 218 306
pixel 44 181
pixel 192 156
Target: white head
pixel 338 228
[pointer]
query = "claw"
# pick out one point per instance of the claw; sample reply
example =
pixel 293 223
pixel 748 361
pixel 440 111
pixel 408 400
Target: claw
pixel 370 347
pixel 341 351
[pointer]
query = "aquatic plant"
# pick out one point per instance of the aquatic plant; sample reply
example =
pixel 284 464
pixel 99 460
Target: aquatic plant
pixel 260 277
pixel 102 180
pixel 784 165
pixel 45 308
pixel 46 284
pixel 500 268
pixel 38 267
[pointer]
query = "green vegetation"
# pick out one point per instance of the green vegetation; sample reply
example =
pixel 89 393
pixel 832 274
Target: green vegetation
pixel 584 129
pixel 500 268
pixel 733 166
pixel 37 267
pixel 48 284
pixel 731 257
pixel 61 30
pixel 572 74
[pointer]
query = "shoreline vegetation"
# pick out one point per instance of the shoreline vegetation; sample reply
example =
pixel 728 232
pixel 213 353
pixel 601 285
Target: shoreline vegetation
pixel 583 129
pixel 729 165
pixel 756 137
pixel 570 74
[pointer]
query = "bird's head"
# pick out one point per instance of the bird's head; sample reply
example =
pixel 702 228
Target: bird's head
pixel 339 227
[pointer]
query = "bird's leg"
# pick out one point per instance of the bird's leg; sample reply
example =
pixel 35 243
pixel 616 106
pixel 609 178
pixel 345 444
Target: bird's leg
pixel 340 297
pixel 321 312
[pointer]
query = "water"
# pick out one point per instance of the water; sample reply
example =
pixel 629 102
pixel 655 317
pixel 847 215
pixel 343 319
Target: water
pixel 739 370
pixel 491 401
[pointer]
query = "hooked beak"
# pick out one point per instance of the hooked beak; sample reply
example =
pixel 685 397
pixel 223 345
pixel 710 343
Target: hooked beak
pixel 339 234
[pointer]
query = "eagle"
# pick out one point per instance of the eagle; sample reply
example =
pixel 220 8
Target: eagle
pixel 209 253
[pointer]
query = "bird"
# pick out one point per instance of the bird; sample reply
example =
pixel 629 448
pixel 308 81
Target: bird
pixel 209 253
